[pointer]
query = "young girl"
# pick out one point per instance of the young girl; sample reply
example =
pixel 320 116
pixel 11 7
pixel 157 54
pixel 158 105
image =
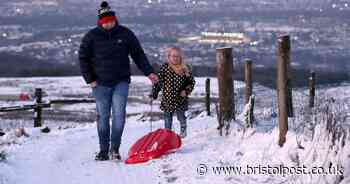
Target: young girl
pixel 176 83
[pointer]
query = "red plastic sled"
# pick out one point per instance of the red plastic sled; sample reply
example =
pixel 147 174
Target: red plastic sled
pixel 153 145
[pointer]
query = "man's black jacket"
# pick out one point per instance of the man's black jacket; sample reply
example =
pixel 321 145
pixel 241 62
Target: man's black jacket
pixel 104 55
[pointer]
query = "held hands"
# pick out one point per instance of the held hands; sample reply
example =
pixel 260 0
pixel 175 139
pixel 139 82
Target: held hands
pixel 183 93
pixel 93 84
pixel 153 77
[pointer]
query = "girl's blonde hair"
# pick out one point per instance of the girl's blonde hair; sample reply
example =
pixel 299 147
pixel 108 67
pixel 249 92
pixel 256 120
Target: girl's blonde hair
pixel 178 50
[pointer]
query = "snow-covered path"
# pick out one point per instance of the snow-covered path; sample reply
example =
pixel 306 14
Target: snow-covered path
pixel 68 157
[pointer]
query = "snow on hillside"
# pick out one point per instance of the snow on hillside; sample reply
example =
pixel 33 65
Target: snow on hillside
pixel 66 155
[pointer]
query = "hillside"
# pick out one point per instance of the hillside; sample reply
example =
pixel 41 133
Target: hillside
pixel 65 155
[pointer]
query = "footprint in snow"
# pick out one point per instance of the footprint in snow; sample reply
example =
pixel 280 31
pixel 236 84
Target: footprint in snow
pixel 168 172
pixel 171 179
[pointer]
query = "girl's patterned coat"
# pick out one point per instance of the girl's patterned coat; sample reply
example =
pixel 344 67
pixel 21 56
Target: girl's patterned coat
pixel 171 85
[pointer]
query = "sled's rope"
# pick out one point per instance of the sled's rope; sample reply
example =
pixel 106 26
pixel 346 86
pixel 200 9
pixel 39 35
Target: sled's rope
pixel 151 115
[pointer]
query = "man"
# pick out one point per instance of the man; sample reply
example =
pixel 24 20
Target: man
pixel 104 62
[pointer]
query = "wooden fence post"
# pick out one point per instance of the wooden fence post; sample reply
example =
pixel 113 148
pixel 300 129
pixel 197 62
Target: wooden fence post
pixel 38 108
pixel 207 95
pixel 224 61
pixel 282 87
pixel 285 55
pixel 248 80
pixel 312 89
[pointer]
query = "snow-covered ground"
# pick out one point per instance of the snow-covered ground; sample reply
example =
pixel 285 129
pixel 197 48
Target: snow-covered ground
pixel 66 155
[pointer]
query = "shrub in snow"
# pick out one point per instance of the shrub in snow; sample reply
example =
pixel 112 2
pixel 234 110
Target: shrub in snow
pixel 327 135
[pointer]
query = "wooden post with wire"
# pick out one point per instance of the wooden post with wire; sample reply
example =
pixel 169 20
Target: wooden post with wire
pixel 38 108
pixel 248 80
pixel 224 59
pixel 207 95
pixel 282 87
pixel 286 49
pixel 312 89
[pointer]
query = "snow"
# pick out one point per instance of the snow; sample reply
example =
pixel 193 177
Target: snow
pixel 67 157
pixel 66 154
pixel 241 148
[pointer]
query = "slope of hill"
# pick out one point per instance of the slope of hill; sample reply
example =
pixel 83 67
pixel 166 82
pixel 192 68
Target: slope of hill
pixel 66 154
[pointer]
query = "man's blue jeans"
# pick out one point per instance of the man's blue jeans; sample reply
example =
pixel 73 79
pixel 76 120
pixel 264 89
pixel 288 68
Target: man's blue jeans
pixel 168 119
pixel 107 99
